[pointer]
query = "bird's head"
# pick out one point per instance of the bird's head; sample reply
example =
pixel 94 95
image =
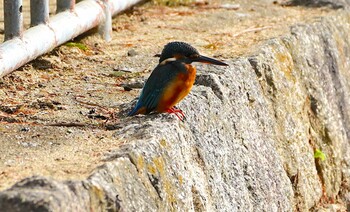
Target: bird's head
pixel 174 51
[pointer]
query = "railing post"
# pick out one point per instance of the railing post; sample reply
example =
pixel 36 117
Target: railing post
pixel 63 5
pixel 13 18
pixel 105 28
pixel 39 12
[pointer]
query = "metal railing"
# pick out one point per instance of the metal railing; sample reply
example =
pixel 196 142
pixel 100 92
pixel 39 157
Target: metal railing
pixel 45 33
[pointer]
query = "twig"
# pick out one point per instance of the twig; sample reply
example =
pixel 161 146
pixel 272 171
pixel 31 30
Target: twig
pixel 251 30
pixel 69 124
pixel 223 6
pixel 91 104
pixel 111 113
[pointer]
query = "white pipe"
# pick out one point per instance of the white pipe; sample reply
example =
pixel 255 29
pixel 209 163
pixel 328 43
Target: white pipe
pixel 117 6
pixel 61 28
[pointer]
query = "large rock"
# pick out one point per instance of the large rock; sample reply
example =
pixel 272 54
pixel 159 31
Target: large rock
pixel 248 142
pixel 335 4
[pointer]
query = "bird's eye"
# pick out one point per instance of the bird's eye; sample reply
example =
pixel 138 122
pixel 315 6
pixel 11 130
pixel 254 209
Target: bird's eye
pixel 193 56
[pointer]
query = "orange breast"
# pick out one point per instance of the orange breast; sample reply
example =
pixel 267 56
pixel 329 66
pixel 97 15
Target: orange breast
pixel 178 89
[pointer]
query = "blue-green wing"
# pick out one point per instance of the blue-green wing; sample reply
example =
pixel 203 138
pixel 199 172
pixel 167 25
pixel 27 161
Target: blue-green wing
pixel 151 93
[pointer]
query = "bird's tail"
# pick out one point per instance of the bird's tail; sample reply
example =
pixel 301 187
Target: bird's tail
pixel 133 112
pixel 138 109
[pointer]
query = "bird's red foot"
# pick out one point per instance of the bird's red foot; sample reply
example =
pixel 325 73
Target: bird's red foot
pixel 177 112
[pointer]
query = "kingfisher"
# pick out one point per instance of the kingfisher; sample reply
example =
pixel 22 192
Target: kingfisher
pixel 171 80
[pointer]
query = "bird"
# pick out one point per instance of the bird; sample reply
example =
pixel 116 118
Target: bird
pixel 171 80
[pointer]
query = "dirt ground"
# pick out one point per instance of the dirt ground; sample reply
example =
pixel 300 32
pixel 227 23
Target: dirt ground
pixel 55 111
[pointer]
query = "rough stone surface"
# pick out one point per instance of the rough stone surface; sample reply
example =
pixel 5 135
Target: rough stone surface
pixel 335 4
pixel 42 194
pixel 247 145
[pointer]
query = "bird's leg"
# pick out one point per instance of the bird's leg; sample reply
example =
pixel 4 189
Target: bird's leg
pixel 175 110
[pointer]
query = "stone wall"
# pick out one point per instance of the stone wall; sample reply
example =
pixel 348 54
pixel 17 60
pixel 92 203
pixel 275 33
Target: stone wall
pixel 248 142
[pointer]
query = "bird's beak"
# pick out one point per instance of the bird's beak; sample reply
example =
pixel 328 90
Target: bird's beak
pixel 208 60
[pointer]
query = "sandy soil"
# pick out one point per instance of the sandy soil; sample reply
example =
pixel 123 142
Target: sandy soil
pixel 55 112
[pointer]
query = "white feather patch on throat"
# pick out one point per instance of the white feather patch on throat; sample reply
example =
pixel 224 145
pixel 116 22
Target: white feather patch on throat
pixel 168 60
